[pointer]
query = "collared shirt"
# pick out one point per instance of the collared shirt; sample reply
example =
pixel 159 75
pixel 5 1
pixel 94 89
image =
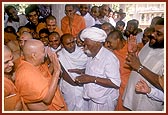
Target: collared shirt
pixel 104 65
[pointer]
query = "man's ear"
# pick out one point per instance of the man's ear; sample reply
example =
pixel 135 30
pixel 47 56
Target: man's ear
pixel 27 18
pixel 98 43
pixel 17 33
pixel 62 46
pixel 33 55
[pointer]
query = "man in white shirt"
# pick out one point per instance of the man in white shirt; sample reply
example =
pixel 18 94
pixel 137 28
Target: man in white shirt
pixel 102 77
pixel 149 66
pixel 72 57
pixel 14 19
pixel 84 10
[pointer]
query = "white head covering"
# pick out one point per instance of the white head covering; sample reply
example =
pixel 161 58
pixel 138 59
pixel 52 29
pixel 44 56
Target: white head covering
pixel 93 33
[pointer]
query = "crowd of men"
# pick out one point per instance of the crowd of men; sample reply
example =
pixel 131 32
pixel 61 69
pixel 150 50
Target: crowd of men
pixel 96 61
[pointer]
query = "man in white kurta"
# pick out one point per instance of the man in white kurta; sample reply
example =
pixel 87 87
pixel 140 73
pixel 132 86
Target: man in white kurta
pixel 103 65
pixel 102 78
pixel 151 61
pixel 73 60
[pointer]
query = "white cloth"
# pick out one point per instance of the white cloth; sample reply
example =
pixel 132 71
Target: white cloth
pixel 55 50
pixel 90 21
pixel 153 59
pixel 104 65
pixel 156 94
pixel 111 21
pixel 97 21
pixel 139 37
pixel 104 19
pixel 73 94
pixel 22 22
pixel 94 34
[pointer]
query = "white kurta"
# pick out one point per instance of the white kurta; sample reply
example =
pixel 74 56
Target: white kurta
pixel 153 59
pixel 73 94
pixel 104 65
pixel 90 21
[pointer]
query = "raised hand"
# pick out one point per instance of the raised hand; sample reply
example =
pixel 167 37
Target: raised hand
pixel 132 44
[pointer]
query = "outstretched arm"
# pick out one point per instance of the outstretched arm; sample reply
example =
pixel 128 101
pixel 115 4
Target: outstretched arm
pixel 67 78
pixel 84 78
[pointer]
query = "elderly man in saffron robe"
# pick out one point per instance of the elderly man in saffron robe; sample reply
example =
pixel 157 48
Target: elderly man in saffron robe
pixel 34 82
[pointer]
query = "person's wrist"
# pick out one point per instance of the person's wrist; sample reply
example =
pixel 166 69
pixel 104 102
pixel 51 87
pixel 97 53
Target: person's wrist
pixel 95 81
pixel 149 90
pixel 140 68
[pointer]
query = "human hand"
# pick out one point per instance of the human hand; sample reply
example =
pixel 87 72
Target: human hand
pixel 84 79
pixel 54 60
pixel 132 44
pixel 133 61
pixel 142 87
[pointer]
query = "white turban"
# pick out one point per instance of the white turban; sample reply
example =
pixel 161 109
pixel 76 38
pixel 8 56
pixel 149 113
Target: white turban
pixel 94 34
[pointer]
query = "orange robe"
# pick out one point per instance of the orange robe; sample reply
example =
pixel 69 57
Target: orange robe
pixel 11 96
pixel 43 25
pixel 59 31
pixel 40 26
pixel 33 84
pixel 124 73
pixel 77 25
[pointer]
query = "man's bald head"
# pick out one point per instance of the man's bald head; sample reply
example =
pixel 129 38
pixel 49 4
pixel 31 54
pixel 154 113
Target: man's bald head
pixel 25 36
pixel 34 51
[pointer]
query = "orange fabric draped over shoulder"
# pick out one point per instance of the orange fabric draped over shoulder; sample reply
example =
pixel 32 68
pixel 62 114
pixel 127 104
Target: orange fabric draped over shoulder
pixel 58 102
pixel 77 25
pixel 33 84
pixel 124 73
pixel 9 87
pixel 11 96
